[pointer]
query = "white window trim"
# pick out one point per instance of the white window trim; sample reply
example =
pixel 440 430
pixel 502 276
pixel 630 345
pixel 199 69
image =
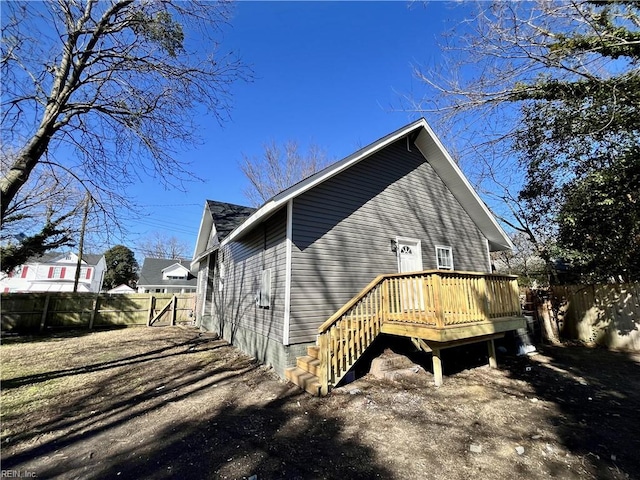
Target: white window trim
pixel 263 296
pixel 222 269
pixel 450 250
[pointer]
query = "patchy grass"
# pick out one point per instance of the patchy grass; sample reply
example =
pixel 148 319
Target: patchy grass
pixel 177 403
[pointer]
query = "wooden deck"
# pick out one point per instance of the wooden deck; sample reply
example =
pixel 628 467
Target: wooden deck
pixel 437 309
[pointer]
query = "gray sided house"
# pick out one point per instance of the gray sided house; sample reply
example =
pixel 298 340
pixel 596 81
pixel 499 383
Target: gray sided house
pixel 267 279
pixel 166 275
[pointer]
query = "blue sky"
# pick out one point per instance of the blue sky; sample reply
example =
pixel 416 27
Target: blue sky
pixel 328 73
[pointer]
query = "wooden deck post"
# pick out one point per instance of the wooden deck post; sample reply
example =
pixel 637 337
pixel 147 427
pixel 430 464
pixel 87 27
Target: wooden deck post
pixel 437 300
pixel 384 290
pixel 493 360
pixel 437 367
pixel 324 357
pixel 483 291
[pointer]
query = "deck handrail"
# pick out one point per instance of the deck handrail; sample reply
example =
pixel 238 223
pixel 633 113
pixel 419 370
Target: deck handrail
pixel 333 318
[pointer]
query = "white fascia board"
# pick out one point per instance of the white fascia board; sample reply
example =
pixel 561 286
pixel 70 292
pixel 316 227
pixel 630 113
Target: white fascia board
pixel 204 231
pixel 206 224
pixel 308 183
pixel 173 266
pixel 438 157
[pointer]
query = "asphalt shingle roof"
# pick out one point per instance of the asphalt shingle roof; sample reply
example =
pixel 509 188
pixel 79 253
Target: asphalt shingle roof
pixel 227 216
pixel 151 273
pixel 89 258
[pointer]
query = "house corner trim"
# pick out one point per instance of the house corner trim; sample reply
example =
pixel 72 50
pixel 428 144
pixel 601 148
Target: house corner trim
pixel 287 281
pixel 490 264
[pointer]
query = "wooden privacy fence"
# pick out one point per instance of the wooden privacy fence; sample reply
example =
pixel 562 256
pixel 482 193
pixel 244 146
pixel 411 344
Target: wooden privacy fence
pixel 36 311
pixel 606 314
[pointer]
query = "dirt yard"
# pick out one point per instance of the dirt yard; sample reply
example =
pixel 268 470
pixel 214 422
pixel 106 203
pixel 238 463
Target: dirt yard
pixel 175 403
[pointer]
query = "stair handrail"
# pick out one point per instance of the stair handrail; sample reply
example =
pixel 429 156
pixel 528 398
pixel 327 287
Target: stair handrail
pixel 347 306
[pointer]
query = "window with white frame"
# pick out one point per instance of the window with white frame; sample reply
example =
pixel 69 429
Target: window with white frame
pixel 263 296
pixel 221 275
pixel 444 257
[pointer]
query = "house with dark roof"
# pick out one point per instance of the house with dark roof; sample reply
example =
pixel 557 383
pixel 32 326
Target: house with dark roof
pixel 56 272
pixel 165 275
pixel 391 239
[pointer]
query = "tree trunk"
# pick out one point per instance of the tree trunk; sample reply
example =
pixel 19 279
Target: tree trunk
pixel 22 167
pixel 550 331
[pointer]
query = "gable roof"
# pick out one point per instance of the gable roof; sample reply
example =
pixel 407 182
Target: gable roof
pixel 58 257
pixel 152 268
pixel 122 288
pixel 423 137
pixel 224 217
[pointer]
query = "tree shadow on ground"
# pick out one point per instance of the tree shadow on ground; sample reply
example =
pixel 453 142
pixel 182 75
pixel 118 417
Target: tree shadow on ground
pixel 113 428
pixel 51 334
pixel 271 441
pixel 185 347
pixel 597 393
pixel 594 395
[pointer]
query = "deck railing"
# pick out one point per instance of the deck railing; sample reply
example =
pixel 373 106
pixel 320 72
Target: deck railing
pixel 433 298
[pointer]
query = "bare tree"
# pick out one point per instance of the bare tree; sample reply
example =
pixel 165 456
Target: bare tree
pixel 162 246
pixel 43 216
pixel 514 51
pixel 279 168
pixel 105 90
pixel 47 194
pixel 507 57
pixel 522 260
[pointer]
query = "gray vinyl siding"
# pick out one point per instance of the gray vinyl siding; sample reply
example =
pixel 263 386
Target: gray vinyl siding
pixel 342 231
pixel 265 349
pixel 235 307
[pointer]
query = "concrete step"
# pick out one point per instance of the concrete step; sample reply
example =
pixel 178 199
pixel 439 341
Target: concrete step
pixel 305 380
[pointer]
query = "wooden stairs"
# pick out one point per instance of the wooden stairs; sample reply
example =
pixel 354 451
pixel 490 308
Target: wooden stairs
pixel 305 373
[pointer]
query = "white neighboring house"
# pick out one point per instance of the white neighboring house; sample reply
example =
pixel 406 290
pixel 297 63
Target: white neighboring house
pixel 121 289
pixel 55 272
pixel 164 275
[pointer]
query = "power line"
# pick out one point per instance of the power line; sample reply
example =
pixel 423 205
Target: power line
pixel 171 205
